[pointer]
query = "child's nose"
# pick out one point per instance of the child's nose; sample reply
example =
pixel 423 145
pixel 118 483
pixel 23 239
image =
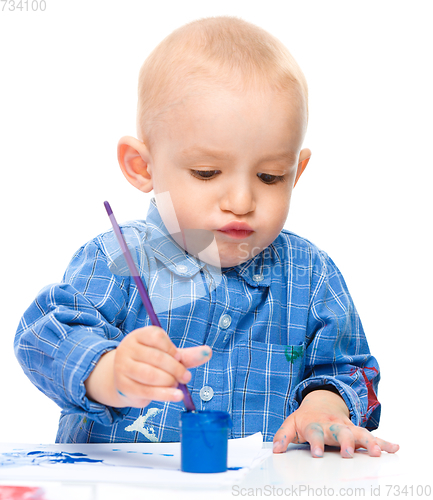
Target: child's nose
pixel 239 199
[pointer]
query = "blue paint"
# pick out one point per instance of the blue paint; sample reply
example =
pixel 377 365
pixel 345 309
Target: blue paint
pixel 19 459
pixel 204 440
pixel 317 428
pixel 166 455
pixel 335 428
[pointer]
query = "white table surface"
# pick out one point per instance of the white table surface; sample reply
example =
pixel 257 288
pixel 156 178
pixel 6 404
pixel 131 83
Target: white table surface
pixel 291 474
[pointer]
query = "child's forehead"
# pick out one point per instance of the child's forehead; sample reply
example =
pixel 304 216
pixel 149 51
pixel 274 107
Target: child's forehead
pixel 204 99
pixel 220 123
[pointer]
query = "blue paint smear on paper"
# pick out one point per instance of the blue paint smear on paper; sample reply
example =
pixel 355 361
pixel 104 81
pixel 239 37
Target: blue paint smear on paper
pixel 19 459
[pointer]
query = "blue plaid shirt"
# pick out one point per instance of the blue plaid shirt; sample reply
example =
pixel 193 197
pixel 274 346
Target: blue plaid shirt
pixel 279 325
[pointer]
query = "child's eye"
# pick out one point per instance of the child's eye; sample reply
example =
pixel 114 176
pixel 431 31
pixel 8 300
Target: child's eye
pixel 271 179
pixel 204 175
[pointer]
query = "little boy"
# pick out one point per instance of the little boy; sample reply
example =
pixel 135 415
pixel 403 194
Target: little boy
pixel 261 316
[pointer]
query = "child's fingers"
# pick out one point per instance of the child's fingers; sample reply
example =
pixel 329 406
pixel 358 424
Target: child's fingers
pixel 285 435
pixel 373 445
pixel 148 348
pixel 139 395
pixel 146 363
pixel 315 436
pixel 387 446
pixel 164 375
pixel 318 435
pixel 350 437
pixel 370 444
pixel 194 356
pixel 148 366
pixel 153 336
pixel 343 436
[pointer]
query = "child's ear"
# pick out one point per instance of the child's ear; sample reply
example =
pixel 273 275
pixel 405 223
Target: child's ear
pixel 133 157
pixel 304 158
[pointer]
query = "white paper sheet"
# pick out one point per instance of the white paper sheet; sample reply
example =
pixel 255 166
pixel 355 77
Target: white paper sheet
pixel 149 463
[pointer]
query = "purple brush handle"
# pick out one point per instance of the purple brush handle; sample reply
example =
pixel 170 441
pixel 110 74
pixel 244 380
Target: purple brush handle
pixel 143 292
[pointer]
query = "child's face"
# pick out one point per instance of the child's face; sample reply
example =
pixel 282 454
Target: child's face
pixel 229 162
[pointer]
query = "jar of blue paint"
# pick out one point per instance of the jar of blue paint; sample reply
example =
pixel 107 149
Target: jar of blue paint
pixel 204 439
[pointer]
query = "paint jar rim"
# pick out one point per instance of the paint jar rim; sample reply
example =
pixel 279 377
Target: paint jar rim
pixel 206 417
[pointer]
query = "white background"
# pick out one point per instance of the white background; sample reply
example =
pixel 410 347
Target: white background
pixel 68 93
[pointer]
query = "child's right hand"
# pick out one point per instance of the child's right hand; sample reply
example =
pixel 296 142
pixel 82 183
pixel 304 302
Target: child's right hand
pixel 145 366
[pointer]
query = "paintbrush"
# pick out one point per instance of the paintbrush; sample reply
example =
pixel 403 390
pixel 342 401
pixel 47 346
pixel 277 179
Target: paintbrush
pixel 143 292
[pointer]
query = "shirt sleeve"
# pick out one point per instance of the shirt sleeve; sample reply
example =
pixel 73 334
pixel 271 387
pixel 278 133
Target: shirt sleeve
pixel 337 352
pixel 68 327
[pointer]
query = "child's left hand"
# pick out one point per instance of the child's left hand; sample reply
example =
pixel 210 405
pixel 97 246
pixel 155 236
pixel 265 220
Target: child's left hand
pixel 323 419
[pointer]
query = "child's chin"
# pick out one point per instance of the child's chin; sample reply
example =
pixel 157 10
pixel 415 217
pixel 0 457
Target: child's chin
pixel 233 262
pixel 223 257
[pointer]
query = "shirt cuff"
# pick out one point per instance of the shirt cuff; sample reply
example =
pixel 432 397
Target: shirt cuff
pixel 349 396
pixel 75 359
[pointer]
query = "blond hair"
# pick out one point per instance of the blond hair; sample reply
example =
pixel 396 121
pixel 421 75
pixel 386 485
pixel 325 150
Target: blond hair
pixel 216 51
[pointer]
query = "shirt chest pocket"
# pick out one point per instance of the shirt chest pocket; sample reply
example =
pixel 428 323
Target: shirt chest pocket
pixel 264 378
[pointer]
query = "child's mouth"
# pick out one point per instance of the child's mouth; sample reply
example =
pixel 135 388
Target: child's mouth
pixel 237 230
pixel 237 233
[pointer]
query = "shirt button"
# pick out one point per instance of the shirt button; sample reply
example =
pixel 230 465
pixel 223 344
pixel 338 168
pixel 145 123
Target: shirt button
pixel 181 268
pixel 206 393
pixel 225 321
pixel 258 277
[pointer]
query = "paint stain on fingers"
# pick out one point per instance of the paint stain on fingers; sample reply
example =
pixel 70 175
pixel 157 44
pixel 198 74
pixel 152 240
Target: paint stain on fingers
pixel 205 353
pixel 280 445
pixel 335 429
pixel 317 429
pixel 367 445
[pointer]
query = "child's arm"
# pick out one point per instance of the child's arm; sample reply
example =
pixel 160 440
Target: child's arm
pixel 323 419
pixel 336 402
pixel 82 323
pixel 145 366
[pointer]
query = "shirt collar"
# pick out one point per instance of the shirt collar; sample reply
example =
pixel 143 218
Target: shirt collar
pixel 165 248
pixel 256 271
